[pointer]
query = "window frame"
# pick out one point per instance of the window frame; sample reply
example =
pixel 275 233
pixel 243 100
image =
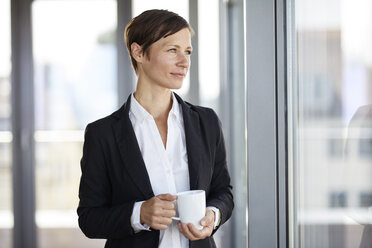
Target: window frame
pixel 23 147
pixel 266 99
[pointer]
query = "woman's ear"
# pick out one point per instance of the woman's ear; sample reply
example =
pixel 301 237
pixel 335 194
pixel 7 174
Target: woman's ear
pixel 137 53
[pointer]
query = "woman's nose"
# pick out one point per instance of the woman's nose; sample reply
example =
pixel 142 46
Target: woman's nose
pixel 184 60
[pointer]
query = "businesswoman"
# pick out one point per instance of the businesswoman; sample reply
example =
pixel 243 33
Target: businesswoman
pixel 136 159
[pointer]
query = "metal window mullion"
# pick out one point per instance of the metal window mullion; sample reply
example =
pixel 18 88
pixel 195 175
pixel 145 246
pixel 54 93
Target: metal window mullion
pixel 23 151
pixel 281 104
pixel 193 94
pixel 224 105
pixel 261 123
pixel 125 73
pixel 292 91
pixel 235 65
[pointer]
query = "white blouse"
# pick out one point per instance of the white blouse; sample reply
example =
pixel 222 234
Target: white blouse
pixel 167 167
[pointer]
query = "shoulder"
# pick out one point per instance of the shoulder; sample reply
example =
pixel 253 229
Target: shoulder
pixel 103 125
pixel 204 113
pixel 205 119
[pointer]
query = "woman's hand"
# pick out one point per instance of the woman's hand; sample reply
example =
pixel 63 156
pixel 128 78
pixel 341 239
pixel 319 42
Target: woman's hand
pixel 157 212
pixel 192 233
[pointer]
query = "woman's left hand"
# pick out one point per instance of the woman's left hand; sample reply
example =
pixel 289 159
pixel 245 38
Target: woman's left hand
pixel 192 233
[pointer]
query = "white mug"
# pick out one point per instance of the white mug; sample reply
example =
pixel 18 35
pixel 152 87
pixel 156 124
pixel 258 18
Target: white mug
pixel 191 207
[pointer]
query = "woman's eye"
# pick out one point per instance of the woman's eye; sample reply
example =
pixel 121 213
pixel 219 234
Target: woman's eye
pixel 188 52
pixel 172 50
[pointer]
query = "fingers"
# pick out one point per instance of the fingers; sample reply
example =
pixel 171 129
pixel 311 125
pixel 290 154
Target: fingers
pixel 184 229
pixel 157 212
pixel 163 204
pixel 200 234
pixel 169 213
pixel 160 223
pixel 208 218
pixel 192 233
pixel 167 197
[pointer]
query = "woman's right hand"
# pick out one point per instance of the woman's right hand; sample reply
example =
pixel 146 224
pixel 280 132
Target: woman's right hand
pixel 157 212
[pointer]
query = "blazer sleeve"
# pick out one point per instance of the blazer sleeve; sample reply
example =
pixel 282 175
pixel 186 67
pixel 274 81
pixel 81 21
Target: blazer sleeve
pixel 220 194
pixel 97 217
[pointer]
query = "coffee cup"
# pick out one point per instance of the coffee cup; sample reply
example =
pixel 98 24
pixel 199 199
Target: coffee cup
pixel 191 207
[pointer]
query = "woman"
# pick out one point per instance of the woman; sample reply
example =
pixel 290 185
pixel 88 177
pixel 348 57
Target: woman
pixel 135 160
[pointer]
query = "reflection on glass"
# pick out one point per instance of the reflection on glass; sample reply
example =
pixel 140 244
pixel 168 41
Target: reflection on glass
pixel 6 213
pixel 330 71
pixel 75 83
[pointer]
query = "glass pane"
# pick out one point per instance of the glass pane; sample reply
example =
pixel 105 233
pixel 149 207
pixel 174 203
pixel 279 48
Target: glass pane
pixel 209 83
pixel 179 7
pixel 330 106
pixel 6 212
pixel 75 65
pixel 209 51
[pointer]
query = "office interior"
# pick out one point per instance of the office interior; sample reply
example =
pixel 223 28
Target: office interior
pixel 291 81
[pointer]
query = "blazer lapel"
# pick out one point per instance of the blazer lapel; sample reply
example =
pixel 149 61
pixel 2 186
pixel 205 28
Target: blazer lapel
pixel 130 151
pixel 193 142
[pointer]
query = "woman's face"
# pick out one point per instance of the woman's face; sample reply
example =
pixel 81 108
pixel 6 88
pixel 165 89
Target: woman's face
pixel 168 61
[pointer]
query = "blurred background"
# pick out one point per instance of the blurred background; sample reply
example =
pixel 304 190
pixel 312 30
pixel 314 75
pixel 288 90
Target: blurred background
pixel 64 64
pixel 331 89
pixel 80 71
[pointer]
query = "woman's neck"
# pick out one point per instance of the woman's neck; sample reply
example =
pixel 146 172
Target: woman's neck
pixel 158 102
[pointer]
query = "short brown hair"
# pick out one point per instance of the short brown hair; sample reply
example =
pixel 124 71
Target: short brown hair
pixel 151 26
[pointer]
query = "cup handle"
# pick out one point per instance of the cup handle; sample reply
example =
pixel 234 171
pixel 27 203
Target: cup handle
pixel 176 218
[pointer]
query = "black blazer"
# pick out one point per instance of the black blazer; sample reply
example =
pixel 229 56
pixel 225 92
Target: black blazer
pixel 114 175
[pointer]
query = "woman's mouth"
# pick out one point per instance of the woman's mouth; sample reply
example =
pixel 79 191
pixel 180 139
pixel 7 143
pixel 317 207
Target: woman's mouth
pixel 179 75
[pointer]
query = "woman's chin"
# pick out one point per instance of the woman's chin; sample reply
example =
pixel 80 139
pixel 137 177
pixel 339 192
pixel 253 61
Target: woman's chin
pixel 176 87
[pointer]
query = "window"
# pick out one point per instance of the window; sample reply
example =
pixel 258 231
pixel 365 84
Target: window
pixel 74 62
pixel 74 66
pixel 209 53
pixel 365 199
pixel 337 199
pixel 336 148
pixel 330 68
pixel 365 148
pixel 6 213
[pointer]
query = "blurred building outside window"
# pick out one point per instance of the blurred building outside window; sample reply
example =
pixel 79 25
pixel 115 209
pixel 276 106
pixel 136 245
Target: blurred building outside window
pixel 330 73
pixel 209 54
pixel 365 199
pixel 337 199
pixel 75 78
